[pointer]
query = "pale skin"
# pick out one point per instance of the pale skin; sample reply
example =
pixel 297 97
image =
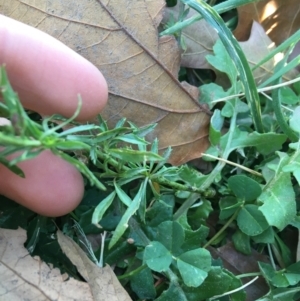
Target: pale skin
pixel 47 76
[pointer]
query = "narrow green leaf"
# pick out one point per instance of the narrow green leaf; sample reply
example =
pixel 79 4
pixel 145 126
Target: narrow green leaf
pixel 122 195
pixel 15 169
pixel 292 40
pixel 78 129
pixel 131 210
pixel 71 145
pixel 132 139
pixel 288 67
pixel 236 54
pixel 102 207
pixel 110 134
pixel 220 8
pixel 81 167
pixel 130 155
pixel 265 143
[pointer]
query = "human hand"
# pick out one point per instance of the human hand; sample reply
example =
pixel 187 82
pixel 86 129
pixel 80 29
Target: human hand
pixel 48 76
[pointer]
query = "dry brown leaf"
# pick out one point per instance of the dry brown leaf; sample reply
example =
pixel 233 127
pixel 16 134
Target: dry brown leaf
pixel 121 39
pixel 256 48
pixel 103 282
pixel 199 39
pixel 279 18
pixel 239 263
pixel 25 278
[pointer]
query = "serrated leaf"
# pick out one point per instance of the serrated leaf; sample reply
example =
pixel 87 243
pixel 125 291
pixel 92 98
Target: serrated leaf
pixel 222 61
pixel 265 143
pixel 251 221
pixel 210 92
pixel 193 266
pixel 278 197
pixel 157 257
pixel 244 188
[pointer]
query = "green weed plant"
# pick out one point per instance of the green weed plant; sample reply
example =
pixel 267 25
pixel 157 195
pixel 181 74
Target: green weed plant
pixel 153 217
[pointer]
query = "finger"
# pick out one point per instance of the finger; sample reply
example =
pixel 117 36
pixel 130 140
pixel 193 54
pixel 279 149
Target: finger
pixel 48 75
pixel 52 186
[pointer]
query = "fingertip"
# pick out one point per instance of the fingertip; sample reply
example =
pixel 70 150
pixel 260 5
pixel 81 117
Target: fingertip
pixel 47 74
pixel 96 93
pixel 52 187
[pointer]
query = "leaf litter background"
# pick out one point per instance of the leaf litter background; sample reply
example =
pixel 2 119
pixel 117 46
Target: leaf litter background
pixel 141 70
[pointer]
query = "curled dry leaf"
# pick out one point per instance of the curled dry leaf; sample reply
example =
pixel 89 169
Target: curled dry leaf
pixel 103 282
pixel 279 18
pixel 25 278
pixel 256 48
pixel 121 39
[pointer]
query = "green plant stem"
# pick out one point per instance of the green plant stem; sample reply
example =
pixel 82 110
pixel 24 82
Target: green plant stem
pixel 6 140
pixel 160 180
pixel 249 275
pixel 279 116
pixel 186 205
pixel 211 177
pixel 223 228
pixel 236 54
pixel 220 8
pixel 132 273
